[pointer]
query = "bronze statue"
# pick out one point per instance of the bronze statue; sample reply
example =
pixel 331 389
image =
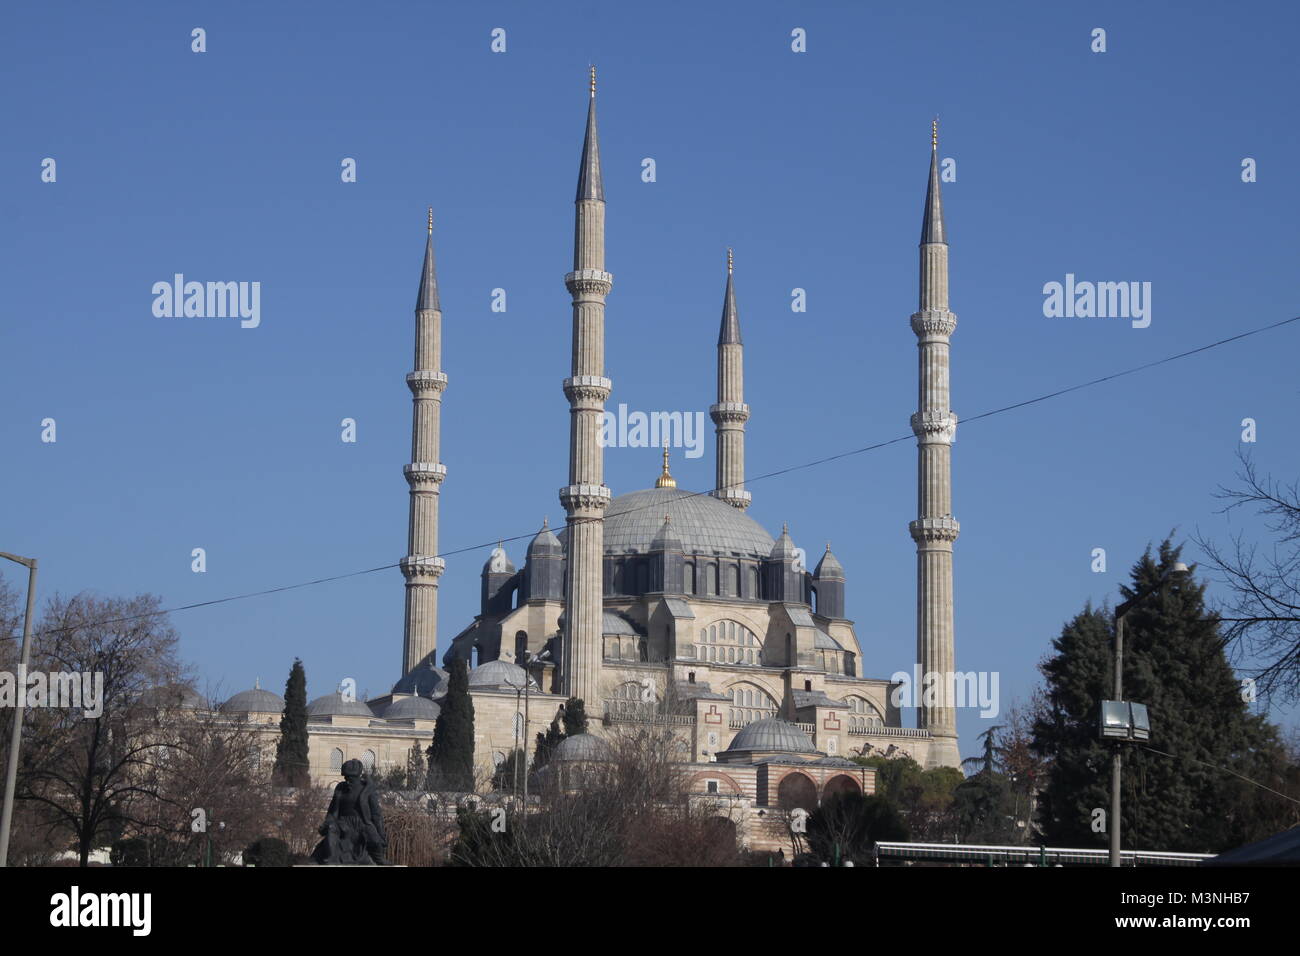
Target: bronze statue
pixel 354 826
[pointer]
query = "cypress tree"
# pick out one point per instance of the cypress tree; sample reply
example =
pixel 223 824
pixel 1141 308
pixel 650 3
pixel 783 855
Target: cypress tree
pixel 575 717
pixel 416 766
pixel 291 761
pixel 546 744
pixel 451 757
pixel 1174 663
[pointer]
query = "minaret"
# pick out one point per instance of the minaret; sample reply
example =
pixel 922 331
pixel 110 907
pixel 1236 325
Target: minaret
pixel 935 529
pixel 730 413
pixel 586 497
pixel 421 567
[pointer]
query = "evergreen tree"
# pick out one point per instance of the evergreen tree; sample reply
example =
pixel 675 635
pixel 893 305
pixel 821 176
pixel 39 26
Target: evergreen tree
pixel 847 826
pixel 451 757
pixel 291 762
pixel 1174 663
pixel 575 717
pixel 509 775
pixel 416 766
pixel 546 744
pixel 984 810
pixel 923 797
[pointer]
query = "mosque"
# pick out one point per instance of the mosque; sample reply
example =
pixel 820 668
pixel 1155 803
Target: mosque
pixel 662 604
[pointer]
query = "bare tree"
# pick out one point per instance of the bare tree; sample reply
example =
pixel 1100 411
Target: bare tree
pixel 625 804
pixel 1261 615
pixel 92 774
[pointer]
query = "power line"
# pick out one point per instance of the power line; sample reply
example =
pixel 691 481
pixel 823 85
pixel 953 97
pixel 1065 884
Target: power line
pixel 1225 770
pixel 771 474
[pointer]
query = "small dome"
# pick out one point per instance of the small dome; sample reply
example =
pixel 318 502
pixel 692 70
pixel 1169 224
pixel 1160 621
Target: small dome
pixel 772 734
pixel 180 696
pixel 582 747
pixel 334 704
pixel 412 708
pixel 615 623
pixel 498 562
pixel 255 701
pixel 499 674
pixel 829 566
pixel 783 550
pixel 426 680
pixel 546 543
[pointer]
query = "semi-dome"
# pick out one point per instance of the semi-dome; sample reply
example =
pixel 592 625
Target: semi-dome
pixel 336 705
pixel 582 747
pixel 772 734
pixel 254 701
pixel 703 524
pixel 180 696
pixel 412 708
pixel 499 674
pixel 824 642
pixel 426 680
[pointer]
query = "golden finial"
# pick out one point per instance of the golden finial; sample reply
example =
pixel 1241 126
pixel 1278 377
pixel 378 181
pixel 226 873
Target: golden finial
pixel 731 261
pixel 593 79
pixel 934 133
pixel 666 480
pixel 828 547
pixel 431 220
pixel 546 522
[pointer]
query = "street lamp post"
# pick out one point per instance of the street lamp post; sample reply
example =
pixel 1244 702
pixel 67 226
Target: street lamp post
pixel 1179 570
pixel 16 737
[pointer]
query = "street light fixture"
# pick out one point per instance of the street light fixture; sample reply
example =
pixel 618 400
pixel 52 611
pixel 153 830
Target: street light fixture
pixel 1130 719
pixel 16 739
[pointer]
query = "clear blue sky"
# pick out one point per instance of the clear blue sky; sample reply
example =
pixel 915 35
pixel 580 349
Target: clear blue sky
pixel 183 433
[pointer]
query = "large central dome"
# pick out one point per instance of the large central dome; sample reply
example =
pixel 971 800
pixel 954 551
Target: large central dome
pixel 704 524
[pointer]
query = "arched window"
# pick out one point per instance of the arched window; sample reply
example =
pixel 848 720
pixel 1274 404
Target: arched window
pixel 733 580
pixel 633 699
pixel 642 577
pixel 753 584
pixel 688 575
pixel 711 572
pixel 749 702
pixel 521 646
pixel 368 761
pixel 336 759
pixel 862 715
pixel 728 641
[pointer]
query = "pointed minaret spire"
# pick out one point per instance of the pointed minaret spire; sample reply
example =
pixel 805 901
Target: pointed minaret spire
pixel 422 567
pixel 935 426
pixel 932 219
pixel 730 413
pixel 586 497
pixel 427 301
pixel 590 185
